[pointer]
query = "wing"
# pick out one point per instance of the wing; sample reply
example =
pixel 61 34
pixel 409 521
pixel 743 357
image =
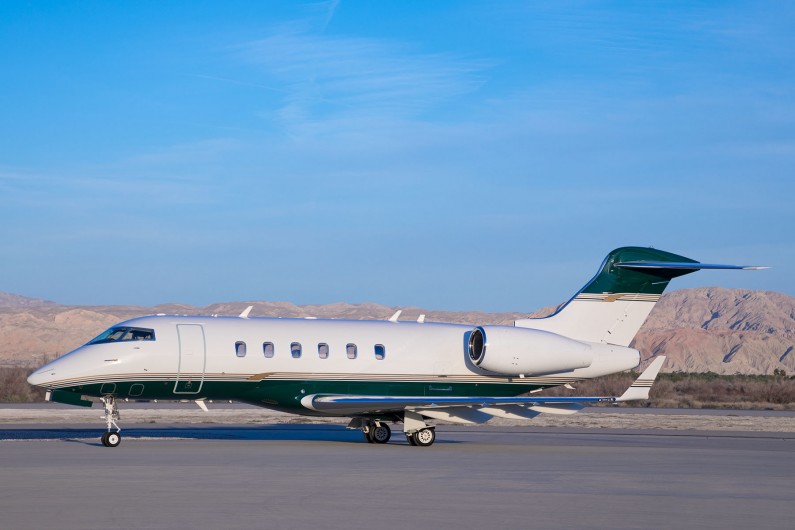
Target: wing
pixel 474 409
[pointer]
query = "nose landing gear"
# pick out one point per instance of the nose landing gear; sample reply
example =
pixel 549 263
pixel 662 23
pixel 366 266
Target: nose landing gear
pixel 111 438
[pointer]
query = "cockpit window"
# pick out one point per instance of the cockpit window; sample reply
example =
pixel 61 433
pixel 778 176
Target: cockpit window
pixel 121 334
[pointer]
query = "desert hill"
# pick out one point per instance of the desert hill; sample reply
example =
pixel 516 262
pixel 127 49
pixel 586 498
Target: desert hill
pixel 725 331
pixel 712 329
pixel 15 301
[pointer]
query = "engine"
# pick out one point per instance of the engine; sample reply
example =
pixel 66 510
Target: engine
pixel 519 351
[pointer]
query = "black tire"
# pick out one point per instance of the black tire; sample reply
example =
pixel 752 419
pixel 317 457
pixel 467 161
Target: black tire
pixel 368 436
pixel 104 438
pixel 112 439
pixel 381 434
pixel 424 437
pixel 410 438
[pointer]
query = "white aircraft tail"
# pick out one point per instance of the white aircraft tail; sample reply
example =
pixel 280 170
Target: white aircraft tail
pixel 613 306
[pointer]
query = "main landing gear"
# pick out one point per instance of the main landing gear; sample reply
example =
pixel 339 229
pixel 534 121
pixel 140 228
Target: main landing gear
pixel 422 438
pixel 111 438
pixel 376 432
pixel 417 432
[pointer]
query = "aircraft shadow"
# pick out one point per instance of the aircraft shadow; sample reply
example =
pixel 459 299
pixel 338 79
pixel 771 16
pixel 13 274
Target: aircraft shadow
pixel 282 432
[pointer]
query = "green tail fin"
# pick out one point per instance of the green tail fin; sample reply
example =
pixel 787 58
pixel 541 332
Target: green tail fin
pixel 613 278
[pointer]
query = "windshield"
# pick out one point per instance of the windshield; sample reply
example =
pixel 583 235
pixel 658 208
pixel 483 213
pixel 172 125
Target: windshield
pixel 120 334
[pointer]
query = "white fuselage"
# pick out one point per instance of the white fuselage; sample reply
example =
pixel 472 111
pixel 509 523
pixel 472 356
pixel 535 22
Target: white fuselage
pixel 247 349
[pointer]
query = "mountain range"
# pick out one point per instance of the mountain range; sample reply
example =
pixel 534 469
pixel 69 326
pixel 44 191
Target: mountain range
pixel 710 329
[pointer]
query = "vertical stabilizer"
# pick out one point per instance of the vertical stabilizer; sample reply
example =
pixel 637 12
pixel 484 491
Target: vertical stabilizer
pixel 613 306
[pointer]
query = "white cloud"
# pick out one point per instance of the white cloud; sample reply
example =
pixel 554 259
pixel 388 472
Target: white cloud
pixel 325 76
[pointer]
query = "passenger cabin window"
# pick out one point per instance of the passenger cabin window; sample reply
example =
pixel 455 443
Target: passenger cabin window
pixel 267 349
pixel 295 349
pixel 380 352
pixel 351 350
pixel 322 350
pixel 123 334
pixel 240 348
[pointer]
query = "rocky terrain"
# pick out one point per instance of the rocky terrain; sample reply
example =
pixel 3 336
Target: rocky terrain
pixel 726 331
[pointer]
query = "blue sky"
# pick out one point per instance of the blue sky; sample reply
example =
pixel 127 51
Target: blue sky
pixel 451 155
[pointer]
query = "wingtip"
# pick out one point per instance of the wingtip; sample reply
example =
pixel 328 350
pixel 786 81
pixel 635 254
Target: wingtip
pixel 642 385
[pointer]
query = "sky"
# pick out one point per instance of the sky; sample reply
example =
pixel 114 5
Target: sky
pixel 450 155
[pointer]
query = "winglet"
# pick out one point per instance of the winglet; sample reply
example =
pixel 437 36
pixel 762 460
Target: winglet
pixel 394 318
pixel 640 388
pixel 246 311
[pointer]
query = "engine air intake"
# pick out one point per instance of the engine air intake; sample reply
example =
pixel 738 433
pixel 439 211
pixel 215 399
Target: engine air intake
pixel 477 345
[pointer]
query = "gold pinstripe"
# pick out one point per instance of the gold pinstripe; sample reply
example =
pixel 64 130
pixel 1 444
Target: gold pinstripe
pixel 612 297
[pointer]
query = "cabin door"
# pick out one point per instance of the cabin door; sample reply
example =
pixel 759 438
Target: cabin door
pixel 192 357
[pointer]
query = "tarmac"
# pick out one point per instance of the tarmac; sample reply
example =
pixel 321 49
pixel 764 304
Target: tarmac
pixel 322 476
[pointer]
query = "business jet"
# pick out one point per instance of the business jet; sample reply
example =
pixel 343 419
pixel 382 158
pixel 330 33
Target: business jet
pixel 380 372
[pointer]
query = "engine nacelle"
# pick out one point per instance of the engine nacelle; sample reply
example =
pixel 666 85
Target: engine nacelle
pixel 519 351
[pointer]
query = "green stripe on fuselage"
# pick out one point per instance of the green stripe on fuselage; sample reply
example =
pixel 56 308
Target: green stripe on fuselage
pixel 285 395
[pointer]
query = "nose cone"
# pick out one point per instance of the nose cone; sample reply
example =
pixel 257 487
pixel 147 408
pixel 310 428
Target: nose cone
pixel 41 376
pixel 66 369
pixel 53 371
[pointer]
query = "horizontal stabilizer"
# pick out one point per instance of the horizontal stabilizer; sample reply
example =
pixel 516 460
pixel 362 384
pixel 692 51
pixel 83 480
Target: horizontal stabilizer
pixel 683 266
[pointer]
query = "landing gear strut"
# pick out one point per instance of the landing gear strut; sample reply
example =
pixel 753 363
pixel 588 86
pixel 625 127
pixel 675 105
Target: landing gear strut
pixel 111 438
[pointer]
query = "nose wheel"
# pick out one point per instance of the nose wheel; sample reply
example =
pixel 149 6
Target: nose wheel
pixel 111 438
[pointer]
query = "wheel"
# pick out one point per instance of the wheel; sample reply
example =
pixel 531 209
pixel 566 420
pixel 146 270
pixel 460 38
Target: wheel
pixel 381 433
pixel 112 439
pixel 104 438
pixel 368 436
pixel 424 437
pixel 410 438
